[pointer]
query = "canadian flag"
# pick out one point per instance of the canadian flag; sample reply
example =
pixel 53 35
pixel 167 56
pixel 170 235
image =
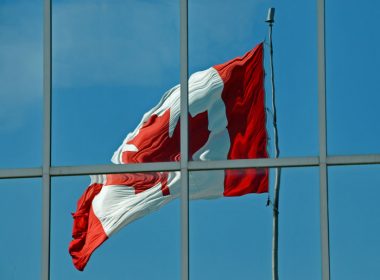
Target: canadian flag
pixel 226 121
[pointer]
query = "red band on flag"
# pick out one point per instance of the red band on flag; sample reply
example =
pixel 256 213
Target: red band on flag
pixel 88 232
pixel 244 97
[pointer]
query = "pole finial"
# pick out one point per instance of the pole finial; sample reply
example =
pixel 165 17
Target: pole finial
pixel 270 16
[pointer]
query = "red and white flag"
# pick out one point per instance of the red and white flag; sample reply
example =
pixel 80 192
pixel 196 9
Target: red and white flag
pixel 226 121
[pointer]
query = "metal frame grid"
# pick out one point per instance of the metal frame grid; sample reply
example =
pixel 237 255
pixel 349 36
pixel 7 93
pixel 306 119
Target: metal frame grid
pixel 185 166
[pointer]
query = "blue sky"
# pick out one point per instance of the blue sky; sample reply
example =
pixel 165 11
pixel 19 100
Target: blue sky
pixel 113 60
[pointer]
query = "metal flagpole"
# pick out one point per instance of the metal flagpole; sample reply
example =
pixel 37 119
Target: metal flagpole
pixel 277 178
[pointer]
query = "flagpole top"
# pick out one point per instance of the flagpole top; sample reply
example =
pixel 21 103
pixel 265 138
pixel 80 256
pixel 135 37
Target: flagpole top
pixel 270 16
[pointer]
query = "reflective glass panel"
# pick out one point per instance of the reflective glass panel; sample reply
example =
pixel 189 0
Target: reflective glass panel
pixel 20 234
pixel 231 237
pixel 353 61
pixel 146 248
pixel 20 83
pixel 112 63
pixel 220 31
pixel 354 222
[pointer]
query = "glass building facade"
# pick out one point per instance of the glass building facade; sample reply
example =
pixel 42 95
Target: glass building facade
pixel 77 76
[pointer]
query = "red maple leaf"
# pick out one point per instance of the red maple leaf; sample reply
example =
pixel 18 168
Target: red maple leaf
pixel 154 144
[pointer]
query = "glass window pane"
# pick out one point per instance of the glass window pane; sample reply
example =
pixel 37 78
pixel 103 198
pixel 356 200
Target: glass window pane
pixel 20 83
pixel 220 31
pixel 354 222
pixel 353 60
pixel 143 249
pixel 112 62
pixel 20 235
pixel 231 237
